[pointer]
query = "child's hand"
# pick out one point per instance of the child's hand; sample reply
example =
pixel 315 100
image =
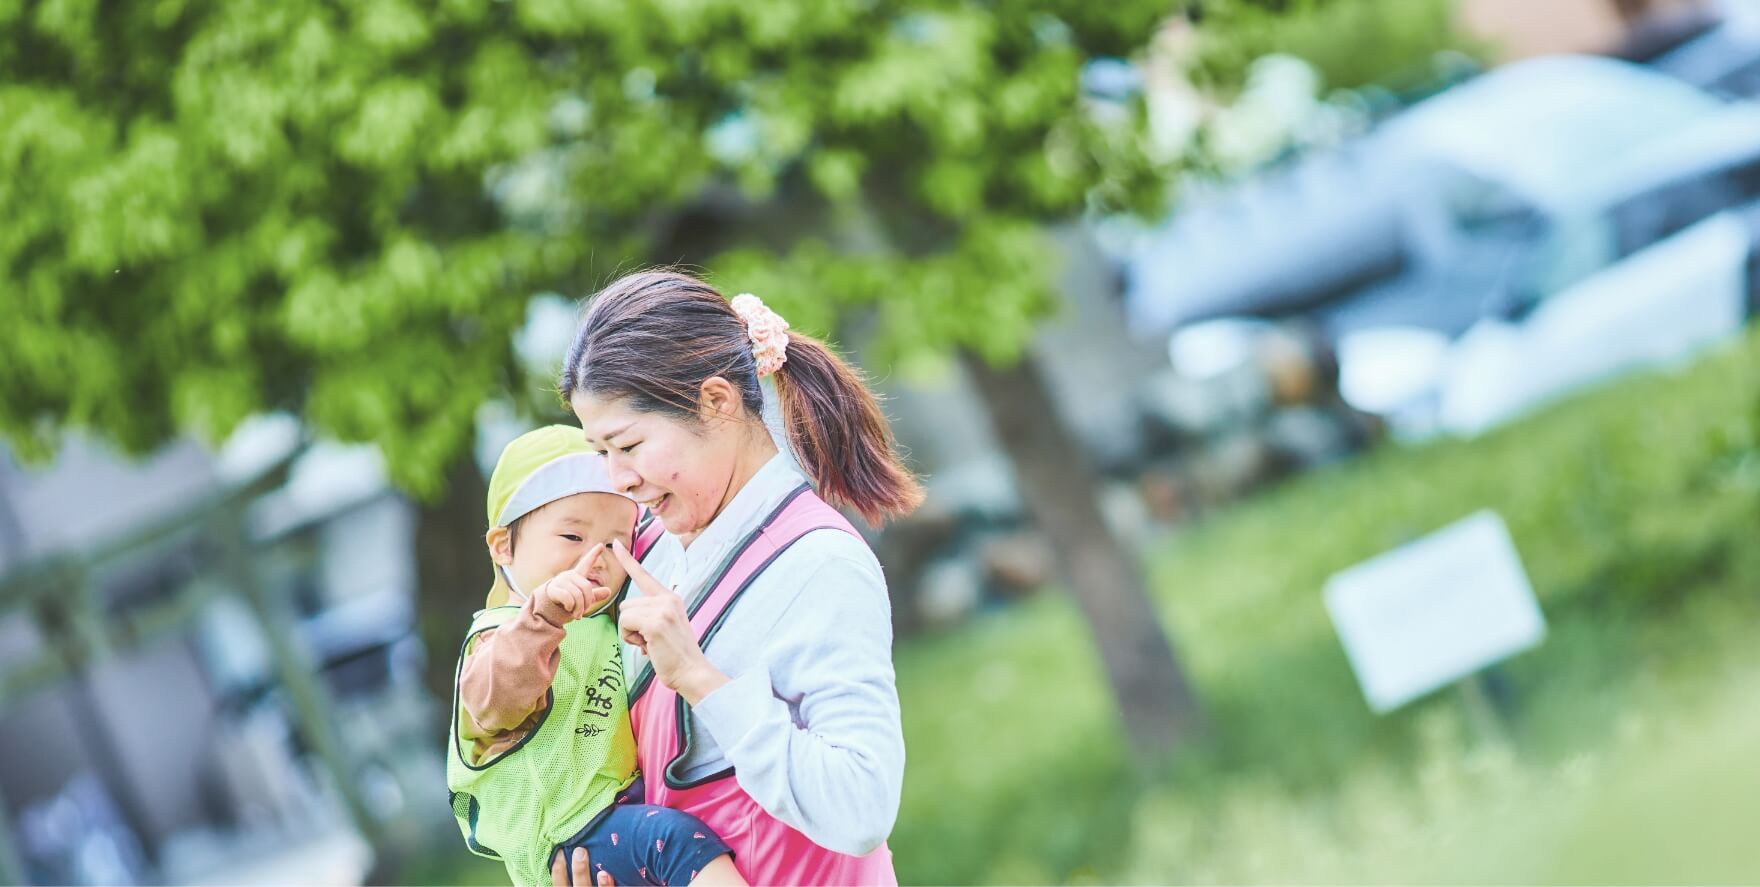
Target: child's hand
pixel 569 595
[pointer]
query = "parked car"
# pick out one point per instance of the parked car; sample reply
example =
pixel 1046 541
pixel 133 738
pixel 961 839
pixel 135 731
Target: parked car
pixel 1659 307
pixel 1482 201
pixel 1522 235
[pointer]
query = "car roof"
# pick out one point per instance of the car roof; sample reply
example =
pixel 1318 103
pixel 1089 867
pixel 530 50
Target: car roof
pixel 1553 130
pixel 1239 247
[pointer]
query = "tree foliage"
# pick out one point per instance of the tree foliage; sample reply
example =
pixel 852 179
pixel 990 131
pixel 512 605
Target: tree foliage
pixel 340 209
pixel 1351 43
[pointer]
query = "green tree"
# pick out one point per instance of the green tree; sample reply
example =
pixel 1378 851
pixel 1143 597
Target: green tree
pixel 340 209
pixel 1351 43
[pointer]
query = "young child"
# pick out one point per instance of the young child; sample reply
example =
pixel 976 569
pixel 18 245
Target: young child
pixel 541 741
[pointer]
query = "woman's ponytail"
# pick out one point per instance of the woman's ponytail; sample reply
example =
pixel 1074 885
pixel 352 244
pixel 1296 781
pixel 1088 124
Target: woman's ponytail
pixel 840 435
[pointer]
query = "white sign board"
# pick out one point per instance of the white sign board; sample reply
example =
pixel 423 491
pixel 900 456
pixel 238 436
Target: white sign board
pixel 1434 611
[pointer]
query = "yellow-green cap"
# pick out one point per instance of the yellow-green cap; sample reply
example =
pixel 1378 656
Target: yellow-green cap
pixel 540 467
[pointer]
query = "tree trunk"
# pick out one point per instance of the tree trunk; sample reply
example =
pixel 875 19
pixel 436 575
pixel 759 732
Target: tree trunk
pixel 1057 484
pixel 452 572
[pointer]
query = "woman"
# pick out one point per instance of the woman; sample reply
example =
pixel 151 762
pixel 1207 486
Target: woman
pixel 758 628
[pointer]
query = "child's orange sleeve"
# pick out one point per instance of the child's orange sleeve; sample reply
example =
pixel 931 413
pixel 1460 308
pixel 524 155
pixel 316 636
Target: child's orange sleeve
pixel 507 672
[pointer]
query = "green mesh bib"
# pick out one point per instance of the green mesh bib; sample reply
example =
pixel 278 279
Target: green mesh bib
pixel 517 807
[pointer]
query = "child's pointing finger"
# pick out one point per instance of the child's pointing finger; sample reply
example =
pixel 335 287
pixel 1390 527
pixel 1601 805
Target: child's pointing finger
pixel 587 559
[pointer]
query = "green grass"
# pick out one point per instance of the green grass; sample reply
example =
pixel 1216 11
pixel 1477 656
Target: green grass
pixel 1665 792
pixel 1635 509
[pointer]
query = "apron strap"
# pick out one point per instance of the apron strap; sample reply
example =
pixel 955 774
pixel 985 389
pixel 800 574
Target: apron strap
pixel 648 532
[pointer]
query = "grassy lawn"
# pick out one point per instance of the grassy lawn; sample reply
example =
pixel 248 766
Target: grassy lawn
pixel 1635 509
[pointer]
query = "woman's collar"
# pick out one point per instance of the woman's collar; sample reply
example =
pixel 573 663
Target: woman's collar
pixel 767 488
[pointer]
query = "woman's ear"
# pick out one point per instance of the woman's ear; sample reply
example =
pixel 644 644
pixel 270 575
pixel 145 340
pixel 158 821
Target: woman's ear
pixel 500 542
pixel 718 401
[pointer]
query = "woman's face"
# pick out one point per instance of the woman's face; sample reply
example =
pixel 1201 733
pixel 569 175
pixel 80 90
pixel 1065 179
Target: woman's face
pixel 679 469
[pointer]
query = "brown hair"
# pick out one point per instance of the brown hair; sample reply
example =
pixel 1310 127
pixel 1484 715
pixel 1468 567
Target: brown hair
pixel 653 337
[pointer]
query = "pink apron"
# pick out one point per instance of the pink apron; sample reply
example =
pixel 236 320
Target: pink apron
pixel 766 851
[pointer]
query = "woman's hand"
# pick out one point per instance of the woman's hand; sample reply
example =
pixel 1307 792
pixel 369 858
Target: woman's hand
pixel 581 870
pixel 658 624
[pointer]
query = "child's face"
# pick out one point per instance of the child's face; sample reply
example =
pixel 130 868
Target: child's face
pixel 553 537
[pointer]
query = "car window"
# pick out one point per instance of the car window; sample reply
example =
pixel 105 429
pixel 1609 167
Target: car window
pixel 1658 213
pixel 1474 205
pixel 1568 249
pixel 1574 247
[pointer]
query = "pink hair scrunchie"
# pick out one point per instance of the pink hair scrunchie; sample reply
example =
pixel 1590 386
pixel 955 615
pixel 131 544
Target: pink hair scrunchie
pixel 767 330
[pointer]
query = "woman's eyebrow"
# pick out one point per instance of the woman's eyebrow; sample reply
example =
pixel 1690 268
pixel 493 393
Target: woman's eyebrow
pixel 590 440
